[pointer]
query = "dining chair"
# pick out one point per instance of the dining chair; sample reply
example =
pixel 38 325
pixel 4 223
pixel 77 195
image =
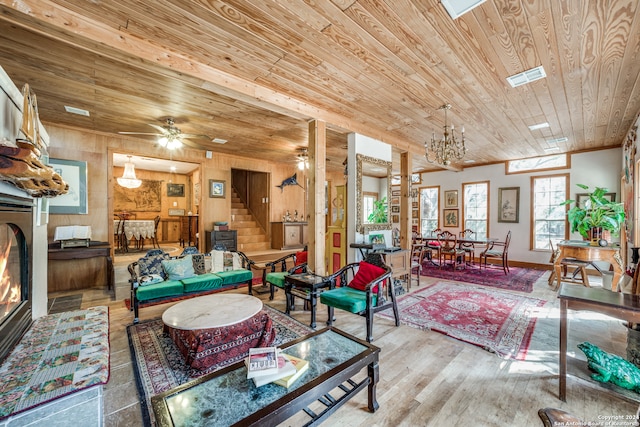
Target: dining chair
pixel 449 250
pixel 121 238
pixel 497 251
pixel 418 255
pixel 154 238
pixel 578 266
pixel 468 247
pixel 433 245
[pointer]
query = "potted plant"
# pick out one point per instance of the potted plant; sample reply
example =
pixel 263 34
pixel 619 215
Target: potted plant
pixel 596 216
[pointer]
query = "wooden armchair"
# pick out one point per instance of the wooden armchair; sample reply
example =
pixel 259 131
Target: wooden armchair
pixel 275 272
pixel 468 247
pixel 498 251
pixel 449 250
pixel 366 292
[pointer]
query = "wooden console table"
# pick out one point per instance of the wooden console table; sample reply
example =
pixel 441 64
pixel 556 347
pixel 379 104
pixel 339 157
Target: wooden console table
pixel 583 251
pixel 95 250
pixel 614 304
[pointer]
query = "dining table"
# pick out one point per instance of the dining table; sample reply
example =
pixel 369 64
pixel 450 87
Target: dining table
pixel 486 241
pixel 139 229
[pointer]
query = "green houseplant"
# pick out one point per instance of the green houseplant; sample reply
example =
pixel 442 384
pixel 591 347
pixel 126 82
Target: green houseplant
pixel 379 213
pixel 597 212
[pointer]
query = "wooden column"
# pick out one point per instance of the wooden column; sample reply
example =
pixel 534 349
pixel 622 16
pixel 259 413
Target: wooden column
pixel 405 200
pixel 316 195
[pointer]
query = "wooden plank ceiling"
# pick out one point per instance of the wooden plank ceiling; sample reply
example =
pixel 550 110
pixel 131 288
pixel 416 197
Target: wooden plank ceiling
pixel 254 73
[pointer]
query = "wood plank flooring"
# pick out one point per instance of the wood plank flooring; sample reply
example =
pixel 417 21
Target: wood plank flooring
pixel 426 378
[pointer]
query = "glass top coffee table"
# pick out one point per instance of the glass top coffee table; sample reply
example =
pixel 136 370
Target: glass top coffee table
pixel 226 397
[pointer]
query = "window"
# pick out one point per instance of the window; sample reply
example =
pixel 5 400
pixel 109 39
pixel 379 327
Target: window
pixel 533 164
pixel 549 217
pixel 368 200
pixel 429 207
pixel 475 206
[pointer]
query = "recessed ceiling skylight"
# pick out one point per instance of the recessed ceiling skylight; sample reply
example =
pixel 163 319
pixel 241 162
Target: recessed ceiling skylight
pixel 219 140
pixel 74 110
pixel 455 8
pixel 557 140
pixel 539 126
pixel 527 76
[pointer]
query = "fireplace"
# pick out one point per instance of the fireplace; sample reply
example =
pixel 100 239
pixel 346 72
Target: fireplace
pixel 16 237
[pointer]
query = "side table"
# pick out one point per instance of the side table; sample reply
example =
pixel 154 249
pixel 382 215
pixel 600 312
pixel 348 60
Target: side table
pixel 306 286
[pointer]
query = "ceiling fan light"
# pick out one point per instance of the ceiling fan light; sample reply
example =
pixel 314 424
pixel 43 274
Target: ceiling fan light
pixel 174 143
pixel 163 141
pixel 128 179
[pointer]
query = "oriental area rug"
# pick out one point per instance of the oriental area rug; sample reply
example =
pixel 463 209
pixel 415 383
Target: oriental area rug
pixel 518 279
pixel 499 322
pixel 159 366
pixel 60 354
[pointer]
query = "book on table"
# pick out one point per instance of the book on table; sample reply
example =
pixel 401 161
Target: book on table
pixel 262 361
pixel 285 369
pixel 301 367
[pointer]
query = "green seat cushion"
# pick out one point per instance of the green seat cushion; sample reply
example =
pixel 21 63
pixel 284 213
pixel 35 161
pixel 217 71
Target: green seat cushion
pixel 201 282
pixel 347 299
pixel 277 278
pixel 168 288
pixel 234 276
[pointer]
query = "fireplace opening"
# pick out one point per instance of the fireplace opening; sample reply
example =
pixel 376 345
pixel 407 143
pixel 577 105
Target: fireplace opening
pixel 16 235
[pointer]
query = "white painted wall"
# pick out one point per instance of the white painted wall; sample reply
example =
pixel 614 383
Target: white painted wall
pixel 597 168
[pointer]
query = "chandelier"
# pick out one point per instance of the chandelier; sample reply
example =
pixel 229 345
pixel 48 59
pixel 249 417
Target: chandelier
pixel 129 179
pixel 448 147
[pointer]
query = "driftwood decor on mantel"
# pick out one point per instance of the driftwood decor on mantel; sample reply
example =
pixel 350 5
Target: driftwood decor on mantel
pixel 22 168
pixel 21 163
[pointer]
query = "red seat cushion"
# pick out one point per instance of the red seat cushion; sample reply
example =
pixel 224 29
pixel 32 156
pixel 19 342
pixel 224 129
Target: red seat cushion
pixel 366 273
pixel 301 257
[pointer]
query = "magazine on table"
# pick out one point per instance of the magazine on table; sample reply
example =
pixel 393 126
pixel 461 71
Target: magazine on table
pixel 301 367
pixel 262 361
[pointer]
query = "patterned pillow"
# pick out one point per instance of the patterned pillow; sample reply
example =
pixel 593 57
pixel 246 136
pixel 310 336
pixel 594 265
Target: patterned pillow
pixel 181 268
pixel 198 263
pixel 225 261
pixel 149 265
pixel 151 279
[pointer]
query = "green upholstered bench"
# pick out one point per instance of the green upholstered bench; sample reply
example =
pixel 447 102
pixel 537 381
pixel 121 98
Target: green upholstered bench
pixel 158 277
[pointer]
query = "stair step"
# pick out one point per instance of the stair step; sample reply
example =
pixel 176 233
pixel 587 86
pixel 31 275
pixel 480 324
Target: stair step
pixel 241 218
pixel 244 224
pixel 253 239
pixel 239 205
pixel 244 247
pixel 249 231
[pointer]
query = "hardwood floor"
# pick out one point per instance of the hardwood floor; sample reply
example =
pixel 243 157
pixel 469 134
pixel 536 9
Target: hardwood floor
pixel 426 378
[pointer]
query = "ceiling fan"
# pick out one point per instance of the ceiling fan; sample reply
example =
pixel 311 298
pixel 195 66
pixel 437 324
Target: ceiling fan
pixel 170 136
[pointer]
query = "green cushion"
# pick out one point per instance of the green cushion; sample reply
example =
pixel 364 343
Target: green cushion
pixel 234 276
pixel 277 278
pixel 168 288
pixel 202 282
pixel 347 299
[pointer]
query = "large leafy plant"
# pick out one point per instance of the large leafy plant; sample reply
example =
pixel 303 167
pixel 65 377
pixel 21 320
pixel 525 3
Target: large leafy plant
pixel 379 213
pixel 597 211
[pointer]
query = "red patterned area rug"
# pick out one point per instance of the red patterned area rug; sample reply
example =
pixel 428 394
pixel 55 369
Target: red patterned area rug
pixel 159 366
pixel 60 354
pixel 499 322
pixel 518 279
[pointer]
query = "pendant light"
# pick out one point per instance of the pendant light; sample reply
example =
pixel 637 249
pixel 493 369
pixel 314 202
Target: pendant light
pixel 129 179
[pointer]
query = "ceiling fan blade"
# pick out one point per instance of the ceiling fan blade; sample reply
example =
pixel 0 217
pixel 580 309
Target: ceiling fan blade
pixel 194 135
pixel 160 128
pixel 139 133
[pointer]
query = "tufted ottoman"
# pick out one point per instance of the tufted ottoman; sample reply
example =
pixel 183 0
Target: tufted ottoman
pixel 218 329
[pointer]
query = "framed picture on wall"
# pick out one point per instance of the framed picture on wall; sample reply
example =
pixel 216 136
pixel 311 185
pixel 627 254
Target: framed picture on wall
pixel 74 173
pixel 216 188
pixel 450 217
pixel 509 204
pixel 581 198
pixel 175 190
pixel 451 199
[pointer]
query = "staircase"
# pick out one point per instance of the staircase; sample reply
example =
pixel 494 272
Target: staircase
pixel 251 237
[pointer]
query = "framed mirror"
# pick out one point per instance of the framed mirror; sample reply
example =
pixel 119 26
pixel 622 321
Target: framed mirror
pixel 373 186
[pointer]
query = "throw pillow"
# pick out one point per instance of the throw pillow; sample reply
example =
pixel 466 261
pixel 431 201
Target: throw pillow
pixel 301 257
pixel 152 264
pixel 225 261
pixel 366 273
pixel 199 264
pixel 181 268
pixel 150 279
